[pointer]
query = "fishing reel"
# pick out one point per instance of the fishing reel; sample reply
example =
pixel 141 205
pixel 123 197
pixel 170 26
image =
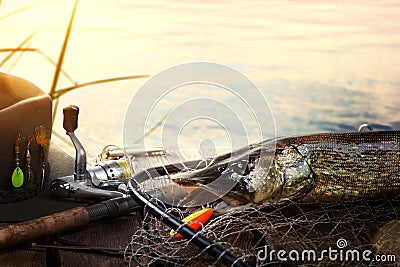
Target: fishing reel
pixel 104 180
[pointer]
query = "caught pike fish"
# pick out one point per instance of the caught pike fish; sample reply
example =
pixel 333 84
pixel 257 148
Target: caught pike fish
pixel 314 168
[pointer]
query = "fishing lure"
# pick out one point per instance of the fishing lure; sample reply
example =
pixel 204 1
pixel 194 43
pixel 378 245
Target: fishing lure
pixel 30 179
pixel 17 177
pixel 40 136
pixel 43 142
pixel 195 220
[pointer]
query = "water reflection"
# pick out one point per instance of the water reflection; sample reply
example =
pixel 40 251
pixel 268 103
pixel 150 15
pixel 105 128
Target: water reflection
pixel 323 66
pixel 313 107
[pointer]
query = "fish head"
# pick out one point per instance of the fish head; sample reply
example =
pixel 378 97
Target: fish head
pixel 268 176
pixel 289 176
pixel 272 177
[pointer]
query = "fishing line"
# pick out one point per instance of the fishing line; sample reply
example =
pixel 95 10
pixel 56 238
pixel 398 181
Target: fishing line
pixel 114 252
pixel 253 233
pixel 174 223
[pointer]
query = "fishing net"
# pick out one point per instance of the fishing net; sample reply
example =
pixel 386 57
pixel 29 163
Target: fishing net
pixel 347 233
pixel 355 233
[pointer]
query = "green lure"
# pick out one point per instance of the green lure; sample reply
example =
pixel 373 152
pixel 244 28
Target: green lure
pixel 17 177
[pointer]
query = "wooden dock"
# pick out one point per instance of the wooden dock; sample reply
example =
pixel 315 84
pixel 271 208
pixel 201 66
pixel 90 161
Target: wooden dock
pixel 117 233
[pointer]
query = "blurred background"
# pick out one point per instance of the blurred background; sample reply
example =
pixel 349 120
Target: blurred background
pixel 323 66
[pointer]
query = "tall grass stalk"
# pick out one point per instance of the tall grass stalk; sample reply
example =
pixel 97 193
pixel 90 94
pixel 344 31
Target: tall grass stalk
pixel 61 59
pixel 63 91
pixel 41 53
pixel 17 11
pixel 12 53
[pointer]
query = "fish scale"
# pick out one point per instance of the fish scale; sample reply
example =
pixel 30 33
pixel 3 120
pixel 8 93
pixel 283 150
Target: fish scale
pixel 349 165
pixel 317 168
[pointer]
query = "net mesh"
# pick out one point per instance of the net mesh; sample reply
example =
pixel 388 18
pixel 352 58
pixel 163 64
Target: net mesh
pixel 255 235
pixel 360 232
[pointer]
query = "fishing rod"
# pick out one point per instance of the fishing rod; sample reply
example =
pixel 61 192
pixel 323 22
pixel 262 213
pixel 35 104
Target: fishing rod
pixel 77 187
pixel 24 232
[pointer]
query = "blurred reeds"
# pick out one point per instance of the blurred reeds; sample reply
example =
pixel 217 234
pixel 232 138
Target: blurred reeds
pixel 54 92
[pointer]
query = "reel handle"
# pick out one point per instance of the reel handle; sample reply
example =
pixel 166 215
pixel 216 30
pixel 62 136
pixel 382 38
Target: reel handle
pixel 70 122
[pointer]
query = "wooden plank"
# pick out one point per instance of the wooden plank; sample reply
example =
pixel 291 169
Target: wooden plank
pixel 22 258
pixel 115 233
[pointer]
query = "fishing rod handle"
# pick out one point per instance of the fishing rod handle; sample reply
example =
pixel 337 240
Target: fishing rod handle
pixel 24 232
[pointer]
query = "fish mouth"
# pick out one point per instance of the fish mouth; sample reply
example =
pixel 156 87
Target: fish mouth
pixel 218 186
pixel 224 183
pixel 200 196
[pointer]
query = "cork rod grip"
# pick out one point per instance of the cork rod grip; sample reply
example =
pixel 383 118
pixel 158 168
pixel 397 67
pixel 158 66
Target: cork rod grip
pixel 24 232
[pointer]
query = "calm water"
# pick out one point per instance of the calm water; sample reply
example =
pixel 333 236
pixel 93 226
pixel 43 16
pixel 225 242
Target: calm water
pixel 322 65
